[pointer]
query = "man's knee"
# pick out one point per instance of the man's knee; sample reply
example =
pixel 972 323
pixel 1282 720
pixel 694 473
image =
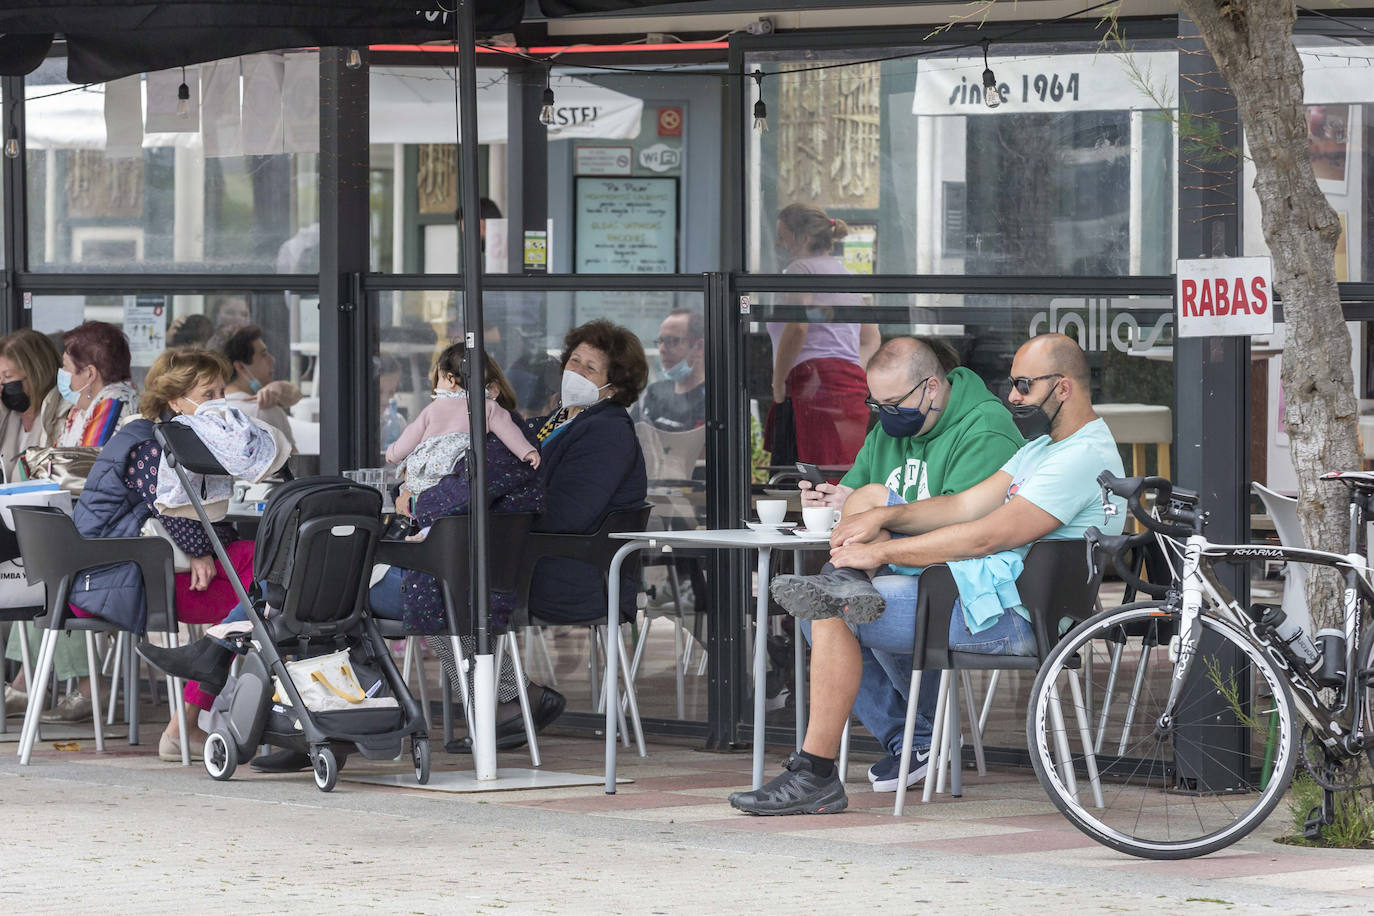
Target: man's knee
pixel 869 496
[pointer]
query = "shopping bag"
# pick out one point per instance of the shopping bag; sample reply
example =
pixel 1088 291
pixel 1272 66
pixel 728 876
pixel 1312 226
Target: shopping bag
pixel 15 591
pixel 327 683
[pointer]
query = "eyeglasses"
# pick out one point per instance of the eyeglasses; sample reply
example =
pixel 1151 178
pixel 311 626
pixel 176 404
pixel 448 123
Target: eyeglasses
pixel 670 341
pixel 894 408
pixel 1023 384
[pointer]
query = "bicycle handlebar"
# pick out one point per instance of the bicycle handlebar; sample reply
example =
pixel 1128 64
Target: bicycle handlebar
pixel 1116 546
pixel 1132 489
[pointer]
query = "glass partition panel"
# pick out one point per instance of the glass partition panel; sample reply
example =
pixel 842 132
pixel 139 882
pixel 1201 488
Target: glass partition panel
pixel 153 322
pixel 1340 118
pixel 167 191
pixel 1129 344
pixel 620 194
pixel 904 168
pixel 524 335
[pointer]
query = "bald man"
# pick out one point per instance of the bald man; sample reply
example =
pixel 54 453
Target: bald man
pixel 938 433
pixel 1048 489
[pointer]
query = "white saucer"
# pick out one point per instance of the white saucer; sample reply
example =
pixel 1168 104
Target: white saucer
pixel 805 535
pixel 760 526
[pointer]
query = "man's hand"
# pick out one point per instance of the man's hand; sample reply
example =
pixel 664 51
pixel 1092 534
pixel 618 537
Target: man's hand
pixel 823 494
pixel 203 572
pixel 862 528
pixel 858 556
pixel 278 394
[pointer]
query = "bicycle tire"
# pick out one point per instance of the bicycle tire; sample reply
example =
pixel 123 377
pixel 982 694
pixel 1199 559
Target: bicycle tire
pixel 1365 658
pixel 1146 788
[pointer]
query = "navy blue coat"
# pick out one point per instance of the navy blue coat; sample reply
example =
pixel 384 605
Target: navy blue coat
pixel 590 469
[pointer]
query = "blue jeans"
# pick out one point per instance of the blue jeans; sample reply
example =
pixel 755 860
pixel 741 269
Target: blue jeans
pixel 385 597
pixel 885 646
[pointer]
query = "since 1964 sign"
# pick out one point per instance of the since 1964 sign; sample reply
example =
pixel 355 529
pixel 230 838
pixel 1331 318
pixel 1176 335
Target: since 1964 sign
pixel 1225 297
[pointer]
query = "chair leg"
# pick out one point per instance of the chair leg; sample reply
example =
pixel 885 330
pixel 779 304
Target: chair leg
pixel 460 666
pixel 678 676
pixel 593 669
pixel 178 704
pixel 639 646
pixel 116 675
pixel 1085 736
pixel 446 704
pixel 630 693
pixel 799 683
pixel 540 643
pixel 406 659
pixel 987 703
pixel 524 697
pixel 908 739
pixel 953 735
pixel 92 667
pixel 1141 669
pixel 131 692
pixel 936 738
pixel 967 683
pixel 843 763
pixel 25 654
pixel 29 733
pixel 1112 673
pixel 1061 743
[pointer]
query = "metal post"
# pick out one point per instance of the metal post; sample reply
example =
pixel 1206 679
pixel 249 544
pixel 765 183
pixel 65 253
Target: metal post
pixel 15 226
pixel 470 257
pixel 527 163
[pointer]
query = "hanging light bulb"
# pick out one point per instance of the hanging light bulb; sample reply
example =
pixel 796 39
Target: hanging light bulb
pixel 354 60
pixel 546 115
pixel 760 109
pixel 183 97
pixel 12 147
pixel 991 97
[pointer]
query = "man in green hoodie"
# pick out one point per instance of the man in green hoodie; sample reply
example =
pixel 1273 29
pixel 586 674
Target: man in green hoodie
pixel 937 434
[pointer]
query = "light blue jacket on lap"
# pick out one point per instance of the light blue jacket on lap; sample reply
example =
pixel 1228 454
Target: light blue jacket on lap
pixel 987 587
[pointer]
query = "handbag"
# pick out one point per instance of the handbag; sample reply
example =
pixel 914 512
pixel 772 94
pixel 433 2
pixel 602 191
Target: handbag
pixel 153 528
pixel 328 683
pixel 67 466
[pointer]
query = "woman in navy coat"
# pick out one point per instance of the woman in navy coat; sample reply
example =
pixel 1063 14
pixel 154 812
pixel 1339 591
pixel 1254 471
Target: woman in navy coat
pixel 591 465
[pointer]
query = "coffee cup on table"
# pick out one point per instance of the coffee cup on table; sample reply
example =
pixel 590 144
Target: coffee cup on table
pixel 818 518
pixel 771 511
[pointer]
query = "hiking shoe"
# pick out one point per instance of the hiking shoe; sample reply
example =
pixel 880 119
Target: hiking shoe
pixel 74 707
pixel 797 790
pixel 884 774
pixel 829 594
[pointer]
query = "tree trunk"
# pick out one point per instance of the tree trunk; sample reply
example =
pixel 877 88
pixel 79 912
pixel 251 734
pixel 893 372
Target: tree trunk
pixel 1252 44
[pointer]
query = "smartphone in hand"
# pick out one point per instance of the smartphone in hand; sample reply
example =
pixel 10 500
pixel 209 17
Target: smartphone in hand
pixel 810 473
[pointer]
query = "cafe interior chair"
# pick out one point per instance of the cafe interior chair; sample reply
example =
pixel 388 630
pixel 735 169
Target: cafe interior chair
pixel 443 554
pixel 597 549
pixel 56 554
pixel 1283 511
pixel 1055 584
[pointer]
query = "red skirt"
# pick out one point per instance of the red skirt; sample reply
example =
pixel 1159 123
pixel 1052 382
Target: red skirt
pixel 828 409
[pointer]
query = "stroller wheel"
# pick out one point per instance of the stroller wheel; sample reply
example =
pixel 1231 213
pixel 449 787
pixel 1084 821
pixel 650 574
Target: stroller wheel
pixel 221 756
pixel 419 753
pixel 326 770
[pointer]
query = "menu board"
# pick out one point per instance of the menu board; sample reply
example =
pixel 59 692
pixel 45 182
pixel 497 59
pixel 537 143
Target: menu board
pixel 626 226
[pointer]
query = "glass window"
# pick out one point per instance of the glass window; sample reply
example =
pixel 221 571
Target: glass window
pixel 1072 173
pixel 524 335
pixel 620 195
pixel 154 321
pixel 1340 114
pixel 165 192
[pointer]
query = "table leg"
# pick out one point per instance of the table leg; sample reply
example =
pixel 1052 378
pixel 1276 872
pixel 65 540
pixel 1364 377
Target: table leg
pixel 760 664
pixel 612 696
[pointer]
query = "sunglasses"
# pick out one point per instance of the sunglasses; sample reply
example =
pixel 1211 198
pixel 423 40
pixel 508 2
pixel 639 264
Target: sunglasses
pixel 893 409
pixel 1023 384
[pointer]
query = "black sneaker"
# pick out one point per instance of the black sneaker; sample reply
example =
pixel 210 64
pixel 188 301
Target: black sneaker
pixel 797 790
pixel 884 774
pixel 829 594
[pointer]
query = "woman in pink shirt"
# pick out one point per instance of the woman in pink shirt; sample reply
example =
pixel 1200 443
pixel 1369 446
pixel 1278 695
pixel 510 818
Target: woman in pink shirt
pixel 432 444
pixel 818 364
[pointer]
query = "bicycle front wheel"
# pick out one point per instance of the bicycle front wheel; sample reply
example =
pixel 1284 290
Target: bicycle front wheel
pixel 1143 785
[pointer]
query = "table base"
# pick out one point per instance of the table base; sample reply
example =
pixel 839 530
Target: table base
pixel 507 780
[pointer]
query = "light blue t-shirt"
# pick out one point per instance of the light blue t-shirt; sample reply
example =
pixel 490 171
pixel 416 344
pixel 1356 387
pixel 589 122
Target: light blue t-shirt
pixel 1061 478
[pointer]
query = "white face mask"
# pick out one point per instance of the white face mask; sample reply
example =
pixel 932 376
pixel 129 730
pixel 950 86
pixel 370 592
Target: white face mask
pixel 580 391
pixel 209 406
pixel 449 393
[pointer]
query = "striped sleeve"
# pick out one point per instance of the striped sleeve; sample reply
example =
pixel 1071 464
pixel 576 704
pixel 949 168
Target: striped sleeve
pixel 102 422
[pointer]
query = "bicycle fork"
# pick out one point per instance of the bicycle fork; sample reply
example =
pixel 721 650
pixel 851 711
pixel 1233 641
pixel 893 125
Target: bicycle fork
pixel 1183 646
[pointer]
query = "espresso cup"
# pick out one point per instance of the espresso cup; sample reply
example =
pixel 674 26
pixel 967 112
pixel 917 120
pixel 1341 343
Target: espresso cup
pixel 818 518
pixel 771 511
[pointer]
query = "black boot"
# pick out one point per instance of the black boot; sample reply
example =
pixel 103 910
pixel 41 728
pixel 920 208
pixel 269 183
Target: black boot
pixel 206 660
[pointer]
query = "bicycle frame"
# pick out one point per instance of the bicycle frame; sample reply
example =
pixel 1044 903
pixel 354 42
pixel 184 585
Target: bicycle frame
pixel 1339 727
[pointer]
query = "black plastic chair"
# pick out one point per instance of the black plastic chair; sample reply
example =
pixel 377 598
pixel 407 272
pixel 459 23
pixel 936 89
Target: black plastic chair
pixel 1055 583
pixel 443 554
pixel 597 549
pixel 55 553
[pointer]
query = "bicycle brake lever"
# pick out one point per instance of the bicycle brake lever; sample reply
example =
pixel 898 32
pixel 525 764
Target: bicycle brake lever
pixel 1108 507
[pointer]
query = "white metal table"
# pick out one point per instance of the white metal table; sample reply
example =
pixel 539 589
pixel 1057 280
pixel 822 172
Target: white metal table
pixel 765 542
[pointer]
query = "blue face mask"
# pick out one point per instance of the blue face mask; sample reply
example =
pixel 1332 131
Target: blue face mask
pixel 679 371
pixel 906 422
pixel 254 385
pixel 64 386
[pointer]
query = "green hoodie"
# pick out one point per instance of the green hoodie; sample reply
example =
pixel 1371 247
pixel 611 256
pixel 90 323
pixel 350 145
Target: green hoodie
pixel 973 437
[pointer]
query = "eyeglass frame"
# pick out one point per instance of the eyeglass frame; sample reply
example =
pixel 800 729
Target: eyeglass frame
pixel 1017 382
pixel 672 340
pixel 894 409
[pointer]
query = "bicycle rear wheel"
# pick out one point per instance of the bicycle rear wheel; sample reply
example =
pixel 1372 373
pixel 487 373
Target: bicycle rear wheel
pixel 1185 789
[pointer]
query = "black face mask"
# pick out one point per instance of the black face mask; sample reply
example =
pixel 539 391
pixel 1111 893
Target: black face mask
pixel 1032 420
pixel 13 396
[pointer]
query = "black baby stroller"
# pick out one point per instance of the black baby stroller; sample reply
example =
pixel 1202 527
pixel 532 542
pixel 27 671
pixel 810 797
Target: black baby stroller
pixel 311 566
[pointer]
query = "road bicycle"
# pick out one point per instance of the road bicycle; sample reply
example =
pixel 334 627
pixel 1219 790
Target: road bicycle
pixel 1171 728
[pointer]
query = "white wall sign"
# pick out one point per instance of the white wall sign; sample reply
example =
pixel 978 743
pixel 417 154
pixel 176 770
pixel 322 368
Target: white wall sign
pixel 1146 80
pixel 1225 297
pixel 603 160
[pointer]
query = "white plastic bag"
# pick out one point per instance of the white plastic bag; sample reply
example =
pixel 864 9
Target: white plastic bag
pixel 15 591
pixel 327 683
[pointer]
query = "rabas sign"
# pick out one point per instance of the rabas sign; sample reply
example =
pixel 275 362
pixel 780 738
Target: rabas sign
pixel 1225 297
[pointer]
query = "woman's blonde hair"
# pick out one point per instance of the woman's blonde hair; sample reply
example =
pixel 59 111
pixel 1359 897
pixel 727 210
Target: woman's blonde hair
pixel 36 356
pixel 175 373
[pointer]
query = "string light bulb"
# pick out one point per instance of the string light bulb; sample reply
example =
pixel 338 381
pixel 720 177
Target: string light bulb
pixel 546 113
pixel 183 97
pixel 991 97
pixel 354 60
pixel 760 109
pixel 12 147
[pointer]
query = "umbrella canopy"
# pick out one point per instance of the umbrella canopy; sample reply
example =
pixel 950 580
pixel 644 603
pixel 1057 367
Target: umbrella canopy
pixel 108 39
